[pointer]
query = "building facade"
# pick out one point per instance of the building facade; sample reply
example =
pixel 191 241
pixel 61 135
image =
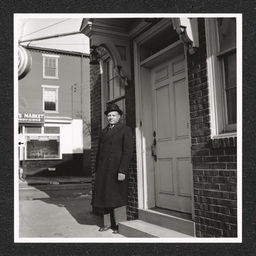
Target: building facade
pixel 54 114
pixel 175 80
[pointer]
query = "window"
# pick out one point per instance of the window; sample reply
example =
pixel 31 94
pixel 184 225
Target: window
pixel 50 66
pixel 158 42
pixel 114 92
pixel 42 143
pixel 221 60
pixel 50 98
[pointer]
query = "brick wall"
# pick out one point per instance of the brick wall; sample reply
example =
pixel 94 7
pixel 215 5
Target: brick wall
pixel 214 161
pixel 132 207
pixel 95 92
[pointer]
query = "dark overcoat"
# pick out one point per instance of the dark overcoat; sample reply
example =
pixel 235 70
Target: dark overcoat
pixel 113 156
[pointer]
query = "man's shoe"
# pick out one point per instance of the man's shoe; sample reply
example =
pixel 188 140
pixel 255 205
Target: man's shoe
pixel 104 228
pixel 115 231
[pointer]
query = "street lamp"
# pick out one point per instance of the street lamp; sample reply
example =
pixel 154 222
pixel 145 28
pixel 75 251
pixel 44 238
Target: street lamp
pixel 94 57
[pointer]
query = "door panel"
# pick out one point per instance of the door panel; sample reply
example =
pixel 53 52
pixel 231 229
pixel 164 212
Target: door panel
pixel 172 166
pixel 184 182
pixel 165 186
pixel 181 111
pixel 163 121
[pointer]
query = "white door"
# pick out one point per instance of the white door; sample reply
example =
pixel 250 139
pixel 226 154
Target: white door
pixel 171 146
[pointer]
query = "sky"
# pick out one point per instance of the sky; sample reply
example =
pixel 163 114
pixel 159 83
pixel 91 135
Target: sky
pixel 41 25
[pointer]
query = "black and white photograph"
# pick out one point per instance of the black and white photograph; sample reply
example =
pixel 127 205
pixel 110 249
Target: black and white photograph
pixel 128 128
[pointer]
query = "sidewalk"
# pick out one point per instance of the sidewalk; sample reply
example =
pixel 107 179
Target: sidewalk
pixel 58 207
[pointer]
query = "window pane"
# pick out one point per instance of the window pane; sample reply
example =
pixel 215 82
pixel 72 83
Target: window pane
pixel 115 86
pixel 50 67
pixel 50 72
pixel 50 98
pixel 163 39
pixel 230 82
pixel 230 70
pixel 49 105
pixel 52 63
pixel 227 33
pixel 108 85
pixel 117 83
pixel 50 94
pixel 231 106
pixel 110 81
pixel 52 130
pixel 42 148
pixel 33 129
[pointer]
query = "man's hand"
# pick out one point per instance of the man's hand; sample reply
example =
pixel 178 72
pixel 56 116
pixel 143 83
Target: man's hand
pixel 121 176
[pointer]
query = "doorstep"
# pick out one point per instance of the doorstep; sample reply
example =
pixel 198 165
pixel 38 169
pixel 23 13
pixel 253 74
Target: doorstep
pixel 138 228
pixel 157 224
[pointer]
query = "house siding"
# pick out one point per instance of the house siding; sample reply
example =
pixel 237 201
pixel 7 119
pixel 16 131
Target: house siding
pixel 73 102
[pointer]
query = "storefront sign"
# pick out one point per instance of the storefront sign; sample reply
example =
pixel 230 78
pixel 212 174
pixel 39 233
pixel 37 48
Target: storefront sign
pixel 31 118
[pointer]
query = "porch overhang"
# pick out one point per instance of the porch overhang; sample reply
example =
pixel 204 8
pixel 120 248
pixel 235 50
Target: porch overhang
pixel 187 28
pixel 114 34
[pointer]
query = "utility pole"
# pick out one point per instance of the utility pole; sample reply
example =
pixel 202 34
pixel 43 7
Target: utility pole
pixel 82 56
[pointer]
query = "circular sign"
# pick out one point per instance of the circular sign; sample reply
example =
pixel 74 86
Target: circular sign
pixel 24 62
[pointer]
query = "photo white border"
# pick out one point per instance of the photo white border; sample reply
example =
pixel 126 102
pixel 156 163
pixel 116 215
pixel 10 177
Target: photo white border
pixel 238 239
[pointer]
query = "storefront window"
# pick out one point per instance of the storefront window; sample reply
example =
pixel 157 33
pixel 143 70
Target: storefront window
pixel 33 129
pixel 53 130
pixel 42 147
pixel 42 143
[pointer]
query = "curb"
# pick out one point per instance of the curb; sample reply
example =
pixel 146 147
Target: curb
pixel 56 186
pixel 50 184
pixel 33 183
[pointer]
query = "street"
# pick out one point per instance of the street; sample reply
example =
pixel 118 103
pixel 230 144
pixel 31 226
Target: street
pixel 58 210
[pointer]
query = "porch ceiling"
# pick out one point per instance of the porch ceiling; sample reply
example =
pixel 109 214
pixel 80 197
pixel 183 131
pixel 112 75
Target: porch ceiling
pixel 125 26
pixel 121 23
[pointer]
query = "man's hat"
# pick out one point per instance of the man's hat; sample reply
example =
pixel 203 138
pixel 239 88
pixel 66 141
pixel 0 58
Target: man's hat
pixel 113 107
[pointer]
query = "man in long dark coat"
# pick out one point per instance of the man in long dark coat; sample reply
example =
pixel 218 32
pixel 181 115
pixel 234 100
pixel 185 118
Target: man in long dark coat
pixel 112 166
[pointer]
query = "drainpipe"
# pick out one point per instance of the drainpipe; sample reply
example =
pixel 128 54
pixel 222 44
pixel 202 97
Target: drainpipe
pixel 82 56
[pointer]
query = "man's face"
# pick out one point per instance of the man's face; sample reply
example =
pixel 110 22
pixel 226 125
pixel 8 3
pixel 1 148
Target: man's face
pixel 113 117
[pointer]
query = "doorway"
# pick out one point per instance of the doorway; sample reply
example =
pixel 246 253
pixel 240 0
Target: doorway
pixel 165 132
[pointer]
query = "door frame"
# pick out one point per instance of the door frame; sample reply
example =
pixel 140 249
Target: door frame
pixel 142 69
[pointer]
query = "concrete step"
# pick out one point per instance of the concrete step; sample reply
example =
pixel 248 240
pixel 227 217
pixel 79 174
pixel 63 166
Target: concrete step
pixel 168 221
pixel 138 228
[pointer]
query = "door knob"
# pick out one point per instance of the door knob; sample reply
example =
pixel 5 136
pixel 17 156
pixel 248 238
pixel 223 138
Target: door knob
pixel 153 150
